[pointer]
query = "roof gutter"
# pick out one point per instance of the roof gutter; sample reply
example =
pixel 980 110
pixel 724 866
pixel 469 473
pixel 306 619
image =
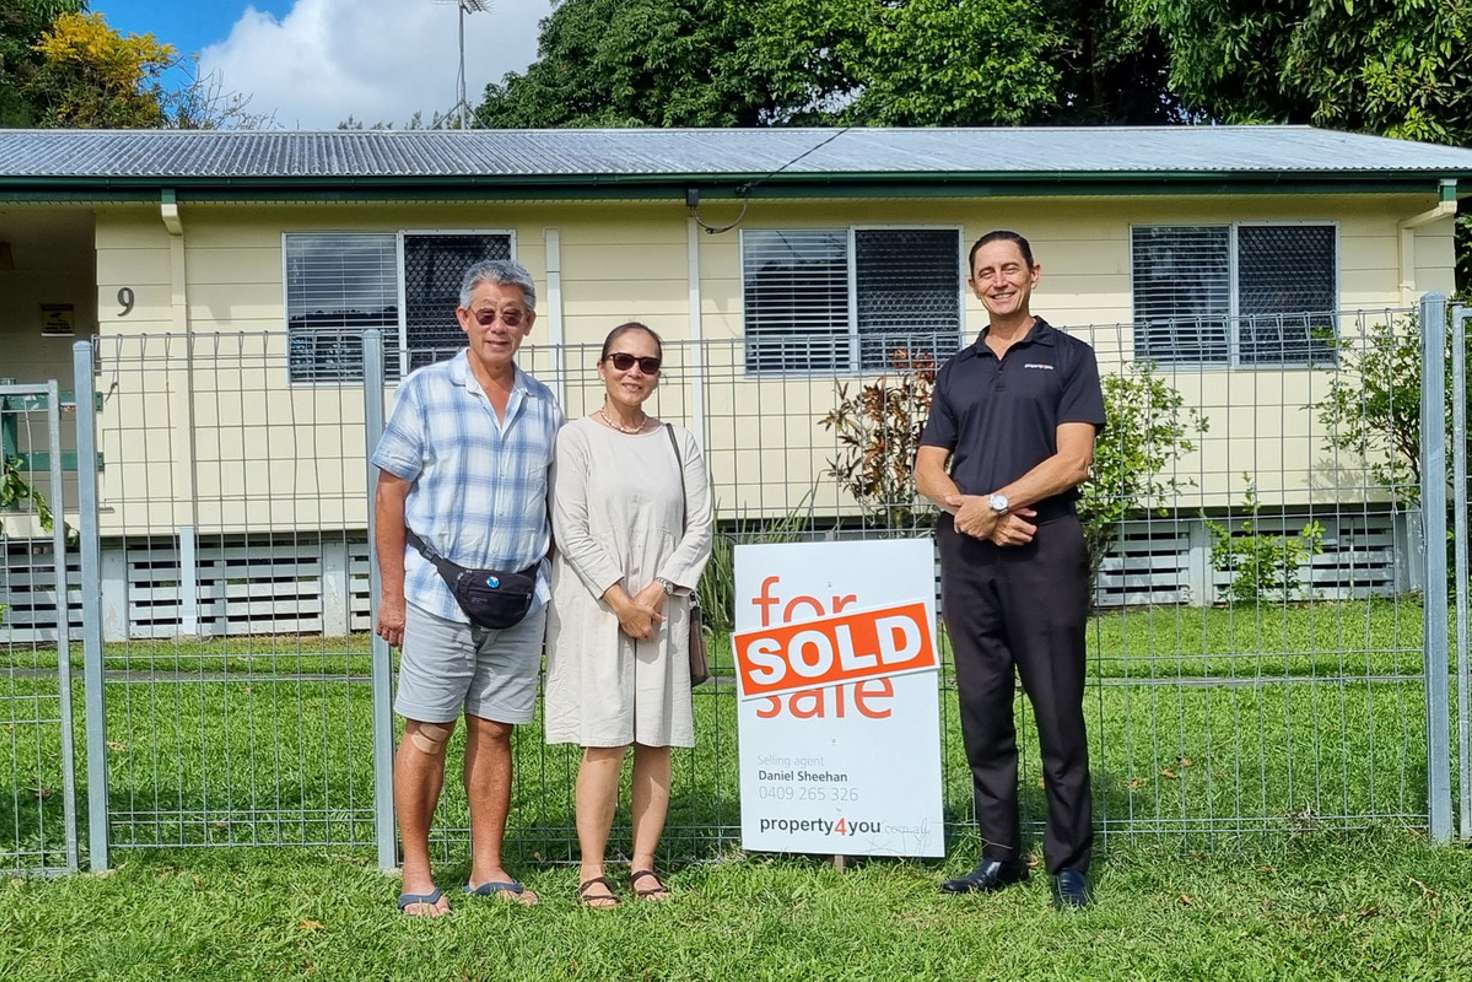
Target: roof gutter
pixel 731 186
pixel 1445 207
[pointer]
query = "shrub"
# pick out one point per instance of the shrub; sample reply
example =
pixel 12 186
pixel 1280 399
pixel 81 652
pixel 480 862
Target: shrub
pixel 878 429
pixel 1149 428
pixel 1264 566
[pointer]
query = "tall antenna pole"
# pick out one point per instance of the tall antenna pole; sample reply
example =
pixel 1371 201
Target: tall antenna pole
pixel 461 113
pixel 461 101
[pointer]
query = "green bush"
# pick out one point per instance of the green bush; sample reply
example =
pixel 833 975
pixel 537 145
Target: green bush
pixel 1263 566
pixel 1149 428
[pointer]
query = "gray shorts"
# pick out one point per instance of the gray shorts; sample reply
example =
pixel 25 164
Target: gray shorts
pixel 446 668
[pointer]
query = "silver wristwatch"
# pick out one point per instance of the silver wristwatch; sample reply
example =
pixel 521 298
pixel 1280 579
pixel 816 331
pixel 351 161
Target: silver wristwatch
pixel 669 585
pixel 999 503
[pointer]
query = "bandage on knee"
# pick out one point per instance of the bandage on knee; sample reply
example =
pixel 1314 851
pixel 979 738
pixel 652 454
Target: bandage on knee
pixel 430 738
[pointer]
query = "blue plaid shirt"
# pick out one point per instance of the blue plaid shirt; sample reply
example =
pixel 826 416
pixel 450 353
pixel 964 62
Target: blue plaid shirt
pixel 479 495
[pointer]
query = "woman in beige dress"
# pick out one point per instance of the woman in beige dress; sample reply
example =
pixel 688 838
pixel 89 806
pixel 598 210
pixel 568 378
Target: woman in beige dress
pixel 631 518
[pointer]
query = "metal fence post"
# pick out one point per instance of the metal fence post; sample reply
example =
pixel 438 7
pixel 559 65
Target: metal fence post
pixel 1461 321
pixel 91 542
pixel 1433 514
pixel 383 719
pixel 63 622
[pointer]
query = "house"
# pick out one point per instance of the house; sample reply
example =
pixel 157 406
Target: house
pixel 229 275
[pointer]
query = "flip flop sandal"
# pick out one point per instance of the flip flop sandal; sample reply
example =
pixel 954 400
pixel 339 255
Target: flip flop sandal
pixel 597 903
pixel 407 900
pixel 659 890
pixel 492 887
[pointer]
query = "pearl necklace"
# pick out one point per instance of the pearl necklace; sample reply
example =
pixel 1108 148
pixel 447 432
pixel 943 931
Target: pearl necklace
pixel 621 428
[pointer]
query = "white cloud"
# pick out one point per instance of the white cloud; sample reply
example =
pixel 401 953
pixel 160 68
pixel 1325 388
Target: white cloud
pixel 377 60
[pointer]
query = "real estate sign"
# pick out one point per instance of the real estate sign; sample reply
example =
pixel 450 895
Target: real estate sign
pixel 839 715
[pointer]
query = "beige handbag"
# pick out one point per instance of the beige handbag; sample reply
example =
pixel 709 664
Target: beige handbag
pixel 699 666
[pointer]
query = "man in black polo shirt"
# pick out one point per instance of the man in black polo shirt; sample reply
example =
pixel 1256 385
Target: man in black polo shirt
pixel 1015 414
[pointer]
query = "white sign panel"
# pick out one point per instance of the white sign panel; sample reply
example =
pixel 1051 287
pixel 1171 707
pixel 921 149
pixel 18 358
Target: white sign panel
pixel 839 711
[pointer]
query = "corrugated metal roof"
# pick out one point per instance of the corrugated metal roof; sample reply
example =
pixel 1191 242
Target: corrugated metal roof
pixel 652 153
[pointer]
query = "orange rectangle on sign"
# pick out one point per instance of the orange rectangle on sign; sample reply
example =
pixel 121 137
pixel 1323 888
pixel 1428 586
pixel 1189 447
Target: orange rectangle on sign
pixel 827 651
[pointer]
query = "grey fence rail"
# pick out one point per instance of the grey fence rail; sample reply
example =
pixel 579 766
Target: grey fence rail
pixel 1269 650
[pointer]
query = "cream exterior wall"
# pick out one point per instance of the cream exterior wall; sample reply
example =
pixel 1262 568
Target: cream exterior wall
pixel 270 456
pixel 54 262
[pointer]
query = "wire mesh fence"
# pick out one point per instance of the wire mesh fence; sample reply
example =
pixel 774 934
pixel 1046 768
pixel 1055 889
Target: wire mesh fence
pixel 1255 653
pixel 38 832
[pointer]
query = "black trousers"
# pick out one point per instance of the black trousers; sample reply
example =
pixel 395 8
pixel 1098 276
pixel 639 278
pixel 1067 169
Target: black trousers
pixel 1023 606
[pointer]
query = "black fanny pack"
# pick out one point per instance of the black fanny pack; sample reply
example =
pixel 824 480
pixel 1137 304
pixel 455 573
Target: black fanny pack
pixel 491 598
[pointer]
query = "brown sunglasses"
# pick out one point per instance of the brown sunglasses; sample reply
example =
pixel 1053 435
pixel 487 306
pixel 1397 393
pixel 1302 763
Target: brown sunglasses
pixel 623 361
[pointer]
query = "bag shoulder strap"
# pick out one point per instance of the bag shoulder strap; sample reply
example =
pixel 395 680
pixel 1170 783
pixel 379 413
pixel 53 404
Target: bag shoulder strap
pixel 446 568
pixel 680 467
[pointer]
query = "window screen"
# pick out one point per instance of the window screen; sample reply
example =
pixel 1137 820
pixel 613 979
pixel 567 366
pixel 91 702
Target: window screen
pixel 1286 293
pixel 434 264
pixel 337 286
pixel 909 293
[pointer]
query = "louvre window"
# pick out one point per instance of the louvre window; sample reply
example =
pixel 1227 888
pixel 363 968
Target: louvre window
pixel 1182 293
pixel 1281 312
pixel 835 299
pixel 338 286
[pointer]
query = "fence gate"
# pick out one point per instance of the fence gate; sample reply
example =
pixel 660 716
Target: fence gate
pixel 1461 336
pixel 38 822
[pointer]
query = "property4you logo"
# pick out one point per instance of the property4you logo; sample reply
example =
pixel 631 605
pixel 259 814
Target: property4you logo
pixel 840 827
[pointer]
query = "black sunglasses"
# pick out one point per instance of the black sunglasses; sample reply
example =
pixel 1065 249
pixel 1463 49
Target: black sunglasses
pixel 623 361
pixel 487 316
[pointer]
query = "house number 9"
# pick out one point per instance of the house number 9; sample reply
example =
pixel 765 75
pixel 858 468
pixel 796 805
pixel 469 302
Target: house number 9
pixel 125 300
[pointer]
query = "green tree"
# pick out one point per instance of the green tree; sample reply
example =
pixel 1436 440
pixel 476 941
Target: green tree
pixel 641 63
pixel 1399 68
pixel 92 76
pixel 872 62
pixel 954 63
pixel 1402 68
pixel 22 23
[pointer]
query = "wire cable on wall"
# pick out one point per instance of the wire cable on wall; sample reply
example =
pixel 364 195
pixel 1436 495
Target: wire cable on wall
pixel 744 191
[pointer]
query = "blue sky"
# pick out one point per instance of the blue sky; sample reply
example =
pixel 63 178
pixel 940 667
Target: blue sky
pixel 313 63
pixel 188 26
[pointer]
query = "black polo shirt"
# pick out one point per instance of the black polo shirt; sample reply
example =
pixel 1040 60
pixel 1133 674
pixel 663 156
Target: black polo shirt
pixel 1000 417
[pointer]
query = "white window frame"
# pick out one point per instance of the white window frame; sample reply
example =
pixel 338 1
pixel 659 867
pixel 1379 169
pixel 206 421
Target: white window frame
pixel 851 272
pixel 400 285
pixel 1234 361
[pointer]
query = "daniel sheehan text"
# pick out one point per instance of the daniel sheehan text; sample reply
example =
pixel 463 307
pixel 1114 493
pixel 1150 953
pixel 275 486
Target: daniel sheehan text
pixel 812 777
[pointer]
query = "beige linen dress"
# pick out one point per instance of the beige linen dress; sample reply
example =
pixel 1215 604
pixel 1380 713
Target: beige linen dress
pixel 616 513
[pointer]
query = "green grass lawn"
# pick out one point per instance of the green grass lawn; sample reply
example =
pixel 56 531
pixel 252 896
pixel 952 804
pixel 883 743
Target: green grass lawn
pixel 1237 757
pixel 1368 906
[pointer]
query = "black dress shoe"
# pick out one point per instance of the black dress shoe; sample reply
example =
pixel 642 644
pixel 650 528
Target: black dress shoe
pixel 990 874
pixel 1071 890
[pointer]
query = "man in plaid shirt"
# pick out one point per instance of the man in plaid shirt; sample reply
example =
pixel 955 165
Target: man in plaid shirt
pixel 464 463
